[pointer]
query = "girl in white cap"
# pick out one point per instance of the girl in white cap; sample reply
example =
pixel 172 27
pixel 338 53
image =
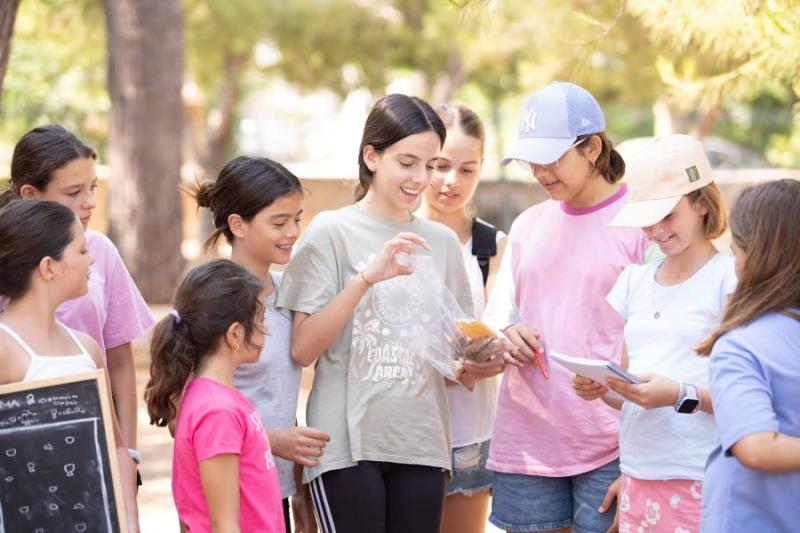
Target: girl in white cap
pixel 553 455
pixel 667 427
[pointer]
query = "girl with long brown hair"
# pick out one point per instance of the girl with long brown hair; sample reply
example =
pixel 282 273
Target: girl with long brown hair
pixel 752 480
pixel 224 476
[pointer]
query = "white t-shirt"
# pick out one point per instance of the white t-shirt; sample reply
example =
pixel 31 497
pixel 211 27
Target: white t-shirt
pixel 661 443
pixel 472 413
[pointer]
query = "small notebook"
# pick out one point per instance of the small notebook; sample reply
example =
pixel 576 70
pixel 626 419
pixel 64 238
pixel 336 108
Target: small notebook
pixel 596 369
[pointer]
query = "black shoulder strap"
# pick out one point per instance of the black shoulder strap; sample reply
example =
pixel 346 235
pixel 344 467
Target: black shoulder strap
pixel 484 244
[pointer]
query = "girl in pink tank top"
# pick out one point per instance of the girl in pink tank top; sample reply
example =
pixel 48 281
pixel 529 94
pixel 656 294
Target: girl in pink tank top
pixel 43 263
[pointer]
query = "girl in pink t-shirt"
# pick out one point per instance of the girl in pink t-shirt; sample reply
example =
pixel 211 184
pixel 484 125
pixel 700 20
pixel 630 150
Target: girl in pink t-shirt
pixel 555 455
pixel 50 163
pixel 223 472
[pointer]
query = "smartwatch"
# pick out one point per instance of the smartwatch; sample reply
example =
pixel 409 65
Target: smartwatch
pixel 688 399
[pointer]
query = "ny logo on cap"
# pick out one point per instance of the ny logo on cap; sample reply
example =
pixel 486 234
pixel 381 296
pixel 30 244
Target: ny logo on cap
pixel 528 121
pixel 693 174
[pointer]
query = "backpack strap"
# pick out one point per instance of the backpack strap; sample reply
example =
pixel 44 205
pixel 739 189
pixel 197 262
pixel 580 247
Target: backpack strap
pixel 484 244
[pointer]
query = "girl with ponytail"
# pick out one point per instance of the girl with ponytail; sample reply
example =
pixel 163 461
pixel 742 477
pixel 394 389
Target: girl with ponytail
pixel 256 206
pixel 223 472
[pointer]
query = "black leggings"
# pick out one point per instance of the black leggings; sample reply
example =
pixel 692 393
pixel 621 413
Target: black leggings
pixel 287 521
pixel 379 497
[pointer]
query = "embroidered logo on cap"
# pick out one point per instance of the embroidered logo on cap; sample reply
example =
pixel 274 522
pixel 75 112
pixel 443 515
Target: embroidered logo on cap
pixel 585 122
pixel 693 174
pixel 528 121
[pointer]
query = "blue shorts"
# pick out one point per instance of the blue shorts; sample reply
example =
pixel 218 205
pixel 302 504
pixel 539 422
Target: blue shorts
pixel 537 503
pixel 469 470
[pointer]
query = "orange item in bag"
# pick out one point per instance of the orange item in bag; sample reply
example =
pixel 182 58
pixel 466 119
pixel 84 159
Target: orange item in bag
pixel 475 329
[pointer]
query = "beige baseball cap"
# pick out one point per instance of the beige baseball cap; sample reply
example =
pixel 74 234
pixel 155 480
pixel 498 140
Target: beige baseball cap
pixel 658 176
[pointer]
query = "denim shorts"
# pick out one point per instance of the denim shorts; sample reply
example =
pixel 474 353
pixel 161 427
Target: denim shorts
pixel 469 470
pixel 537 503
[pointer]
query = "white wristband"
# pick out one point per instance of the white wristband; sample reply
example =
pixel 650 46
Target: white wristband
pixel 136 455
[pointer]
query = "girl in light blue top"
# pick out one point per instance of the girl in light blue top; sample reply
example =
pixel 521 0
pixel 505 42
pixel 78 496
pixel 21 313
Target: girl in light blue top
pixel 752 480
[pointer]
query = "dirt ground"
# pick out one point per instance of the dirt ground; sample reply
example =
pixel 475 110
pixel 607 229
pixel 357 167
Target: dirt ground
pixel 156 508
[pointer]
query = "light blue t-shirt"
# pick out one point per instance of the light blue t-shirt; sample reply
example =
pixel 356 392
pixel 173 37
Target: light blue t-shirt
pixel 755 384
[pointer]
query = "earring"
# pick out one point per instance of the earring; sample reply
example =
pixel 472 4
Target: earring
pixel 236 350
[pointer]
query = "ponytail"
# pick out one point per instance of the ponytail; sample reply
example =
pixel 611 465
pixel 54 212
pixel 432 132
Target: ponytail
pixel 244 187
pixel 609 163
pixel 173 360
pixel 210 299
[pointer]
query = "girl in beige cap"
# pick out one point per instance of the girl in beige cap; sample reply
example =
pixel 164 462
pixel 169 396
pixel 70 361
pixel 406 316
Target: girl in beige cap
pixel 667 426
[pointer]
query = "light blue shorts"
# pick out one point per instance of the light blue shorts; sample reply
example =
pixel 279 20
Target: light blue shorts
pixel 537 503
pixel 469 470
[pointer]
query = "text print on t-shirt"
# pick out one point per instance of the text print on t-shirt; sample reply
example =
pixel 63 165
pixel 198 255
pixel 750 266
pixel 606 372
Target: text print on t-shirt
pixel 255 420
pixel 390 327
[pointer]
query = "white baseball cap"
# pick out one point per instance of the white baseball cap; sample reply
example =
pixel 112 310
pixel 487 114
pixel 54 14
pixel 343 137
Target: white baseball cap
pixel 552 119
pixel 659 175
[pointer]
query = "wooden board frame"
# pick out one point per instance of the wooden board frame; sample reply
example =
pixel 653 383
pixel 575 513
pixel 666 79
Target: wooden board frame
pixel 99 377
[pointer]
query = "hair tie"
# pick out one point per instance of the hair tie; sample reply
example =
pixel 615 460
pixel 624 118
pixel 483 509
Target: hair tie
pixel 176 315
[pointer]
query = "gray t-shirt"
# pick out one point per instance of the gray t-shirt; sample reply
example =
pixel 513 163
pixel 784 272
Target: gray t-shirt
pixel 377 400
pixel 273 382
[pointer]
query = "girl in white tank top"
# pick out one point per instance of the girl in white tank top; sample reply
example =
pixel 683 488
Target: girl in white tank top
pixel 43 263
pixel 51 366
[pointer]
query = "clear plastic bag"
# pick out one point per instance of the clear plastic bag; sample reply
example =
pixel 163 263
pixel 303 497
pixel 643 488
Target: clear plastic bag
pixel 437 335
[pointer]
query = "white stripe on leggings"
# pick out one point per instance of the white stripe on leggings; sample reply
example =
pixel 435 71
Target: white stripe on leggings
pixel 320 501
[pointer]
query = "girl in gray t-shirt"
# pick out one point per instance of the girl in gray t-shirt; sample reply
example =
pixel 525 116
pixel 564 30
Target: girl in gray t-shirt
pixel 357 316
pixel 256 204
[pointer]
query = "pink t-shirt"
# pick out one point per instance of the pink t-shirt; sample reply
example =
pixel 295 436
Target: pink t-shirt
pixel 562 263
pixel 213 420
pixel 113 312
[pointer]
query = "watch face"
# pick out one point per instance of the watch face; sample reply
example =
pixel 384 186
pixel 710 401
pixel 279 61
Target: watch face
pixel 688 406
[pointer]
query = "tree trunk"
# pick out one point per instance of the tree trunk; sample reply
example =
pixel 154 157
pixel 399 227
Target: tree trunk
pixel 8 14
pixel 450 81
pixel 145 73
pixel 704 121
pixel 220 134
pixel 211 140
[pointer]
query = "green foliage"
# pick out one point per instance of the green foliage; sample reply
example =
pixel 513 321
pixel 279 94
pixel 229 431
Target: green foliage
pixel 725 54
pixel 57 70
pixel 317 38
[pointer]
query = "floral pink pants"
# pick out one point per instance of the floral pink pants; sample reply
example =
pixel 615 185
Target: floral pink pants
pixel 659 506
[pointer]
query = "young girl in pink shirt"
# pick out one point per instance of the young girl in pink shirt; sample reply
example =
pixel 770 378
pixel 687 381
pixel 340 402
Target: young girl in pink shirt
pixel 553 454
pixel 224 477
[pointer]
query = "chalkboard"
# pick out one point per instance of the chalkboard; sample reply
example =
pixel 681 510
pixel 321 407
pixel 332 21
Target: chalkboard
pixel 58 463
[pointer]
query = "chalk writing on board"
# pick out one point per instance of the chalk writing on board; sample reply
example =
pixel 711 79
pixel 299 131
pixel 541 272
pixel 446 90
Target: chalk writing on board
pixel 55 470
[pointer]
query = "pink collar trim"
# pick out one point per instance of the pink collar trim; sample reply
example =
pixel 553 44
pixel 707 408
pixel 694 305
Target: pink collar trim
pixel 592 208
